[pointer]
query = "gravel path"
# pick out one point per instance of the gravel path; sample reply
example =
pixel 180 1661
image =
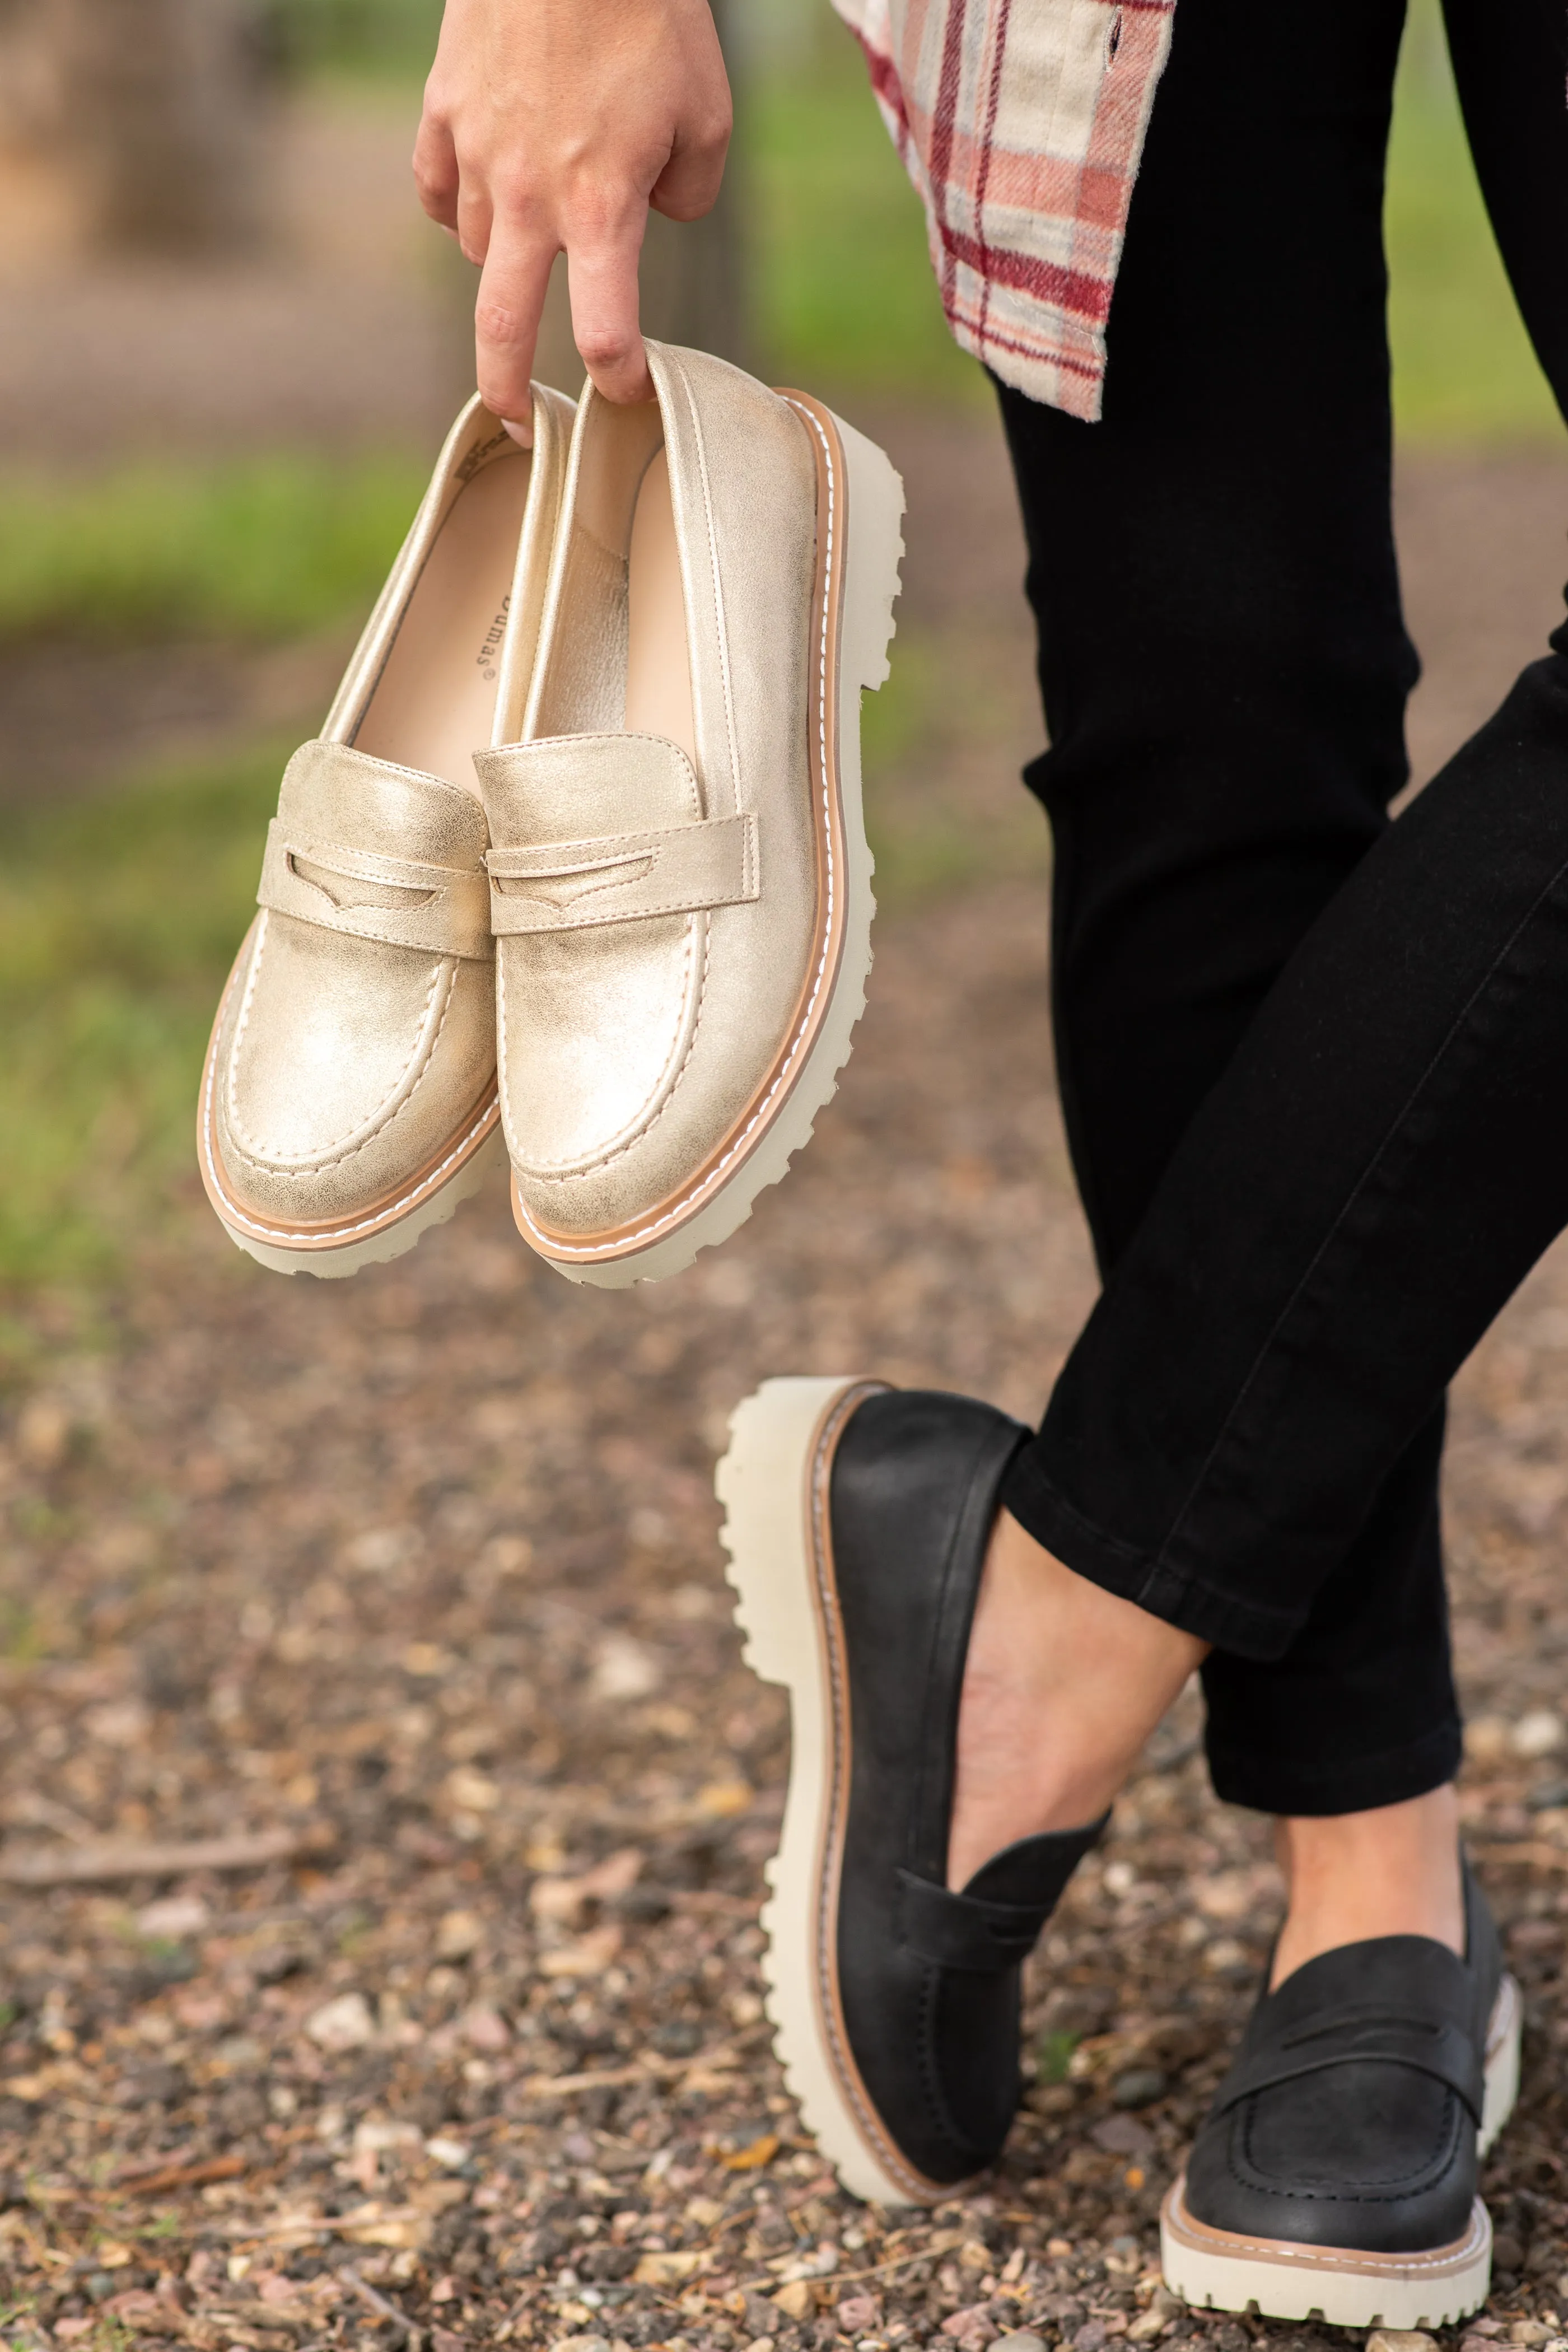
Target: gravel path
pixel 417 1575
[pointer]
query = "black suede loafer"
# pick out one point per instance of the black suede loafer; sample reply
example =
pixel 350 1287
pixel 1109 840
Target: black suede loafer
pixel 1336 2171
pixel 858 1521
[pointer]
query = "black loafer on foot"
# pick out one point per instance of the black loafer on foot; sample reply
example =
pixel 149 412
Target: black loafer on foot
pixel 1336 2172
pixel 858 1521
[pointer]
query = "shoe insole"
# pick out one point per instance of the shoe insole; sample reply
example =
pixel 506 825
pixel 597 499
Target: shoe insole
pixel 658 671
pixel 435 703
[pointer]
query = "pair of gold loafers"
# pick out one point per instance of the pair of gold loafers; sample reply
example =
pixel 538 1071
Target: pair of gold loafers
pixel 578 862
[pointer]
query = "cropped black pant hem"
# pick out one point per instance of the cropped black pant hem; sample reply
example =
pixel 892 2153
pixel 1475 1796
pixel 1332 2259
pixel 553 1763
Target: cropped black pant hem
pixel 1339 1784
pixel 1183 1597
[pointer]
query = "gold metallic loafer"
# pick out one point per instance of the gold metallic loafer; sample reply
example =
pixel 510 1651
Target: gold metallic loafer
pixel 349 1099
pixel 681 889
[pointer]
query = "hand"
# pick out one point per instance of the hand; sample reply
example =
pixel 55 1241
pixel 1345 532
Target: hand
pixel 552 125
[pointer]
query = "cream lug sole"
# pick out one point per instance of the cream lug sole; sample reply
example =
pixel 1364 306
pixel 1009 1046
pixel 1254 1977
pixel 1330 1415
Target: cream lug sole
pixel 772 1444
pixel 1219 2271
pixel 301 1253
pixel 873 500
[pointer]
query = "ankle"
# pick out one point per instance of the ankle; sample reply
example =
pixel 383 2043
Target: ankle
pixel 1062 1685
pixel 1393 1871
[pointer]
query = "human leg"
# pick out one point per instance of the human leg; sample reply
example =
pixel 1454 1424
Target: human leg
pixel 1063 1682
pixel 1383 1159
pixel 1222 659
pixel 1381 1165
pixel 1510 74
pixel 886 1510
pixel 1378 1166
pixel 1225 669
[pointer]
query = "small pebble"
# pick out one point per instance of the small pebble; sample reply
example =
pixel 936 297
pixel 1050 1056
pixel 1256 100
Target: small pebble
pixel 1539 1733
pixel 857 2313
pixel 1140 2087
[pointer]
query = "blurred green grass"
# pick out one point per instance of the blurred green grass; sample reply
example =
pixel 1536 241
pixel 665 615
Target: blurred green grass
pixel 1463 367
pixel 382 39
pixel 118 920
pixel 257 548
pixel 841 286
pixel 119 916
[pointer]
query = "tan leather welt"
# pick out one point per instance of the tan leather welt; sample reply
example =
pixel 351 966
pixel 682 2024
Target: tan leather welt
pixel 397 1202
pixel 830 1862
pixel 624 878
pixel 394 1204
pixel 1432 2261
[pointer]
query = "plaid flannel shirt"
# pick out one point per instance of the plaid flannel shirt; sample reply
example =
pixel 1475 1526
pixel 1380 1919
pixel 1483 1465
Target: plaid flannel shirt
pixel 1021 123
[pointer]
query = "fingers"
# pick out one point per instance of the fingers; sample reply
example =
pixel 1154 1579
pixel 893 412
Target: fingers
pixel 688 184
pixel 506 321
pixel 435 174
pixel 603 282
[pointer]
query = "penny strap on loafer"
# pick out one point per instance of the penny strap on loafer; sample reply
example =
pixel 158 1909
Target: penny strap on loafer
pixel 1427 2042
pixel 982 1935
pixel 327 861
pixel 553 869
pixel 565 886
pixel 402 901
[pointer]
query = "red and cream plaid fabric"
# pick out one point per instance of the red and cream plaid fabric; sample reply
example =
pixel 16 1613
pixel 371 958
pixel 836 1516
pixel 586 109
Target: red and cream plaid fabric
pixel 1021 123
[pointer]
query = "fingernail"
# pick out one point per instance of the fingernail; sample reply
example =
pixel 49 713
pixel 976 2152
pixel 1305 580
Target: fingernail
pixel 522 433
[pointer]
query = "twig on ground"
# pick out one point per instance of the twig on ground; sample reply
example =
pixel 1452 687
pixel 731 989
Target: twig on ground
pixel 414 2337
pixel 712 1901
pixel 87 1865
pixel 152 2181
pixel 650 2069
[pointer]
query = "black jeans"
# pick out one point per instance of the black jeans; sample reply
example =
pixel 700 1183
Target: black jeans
pixel 1294 1183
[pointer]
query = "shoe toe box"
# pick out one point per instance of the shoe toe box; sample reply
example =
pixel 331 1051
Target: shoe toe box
pixel 1376 2157
pixel 632 1058
pixel 343 1069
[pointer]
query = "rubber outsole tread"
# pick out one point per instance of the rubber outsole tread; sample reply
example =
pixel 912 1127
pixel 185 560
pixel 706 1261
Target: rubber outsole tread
pixel 394 1241
pixel 772 1448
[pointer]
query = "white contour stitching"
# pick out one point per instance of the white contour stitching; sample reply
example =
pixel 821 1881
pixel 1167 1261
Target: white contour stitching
pixel 548 1246
pixel 664 1085
pixel 330 1154
pixel 384 1217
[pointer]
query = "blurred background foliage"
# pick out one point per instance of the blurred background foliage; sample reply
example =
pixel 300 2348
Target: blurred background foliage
pixel 119 912
pixel 840 295
pixel 375 37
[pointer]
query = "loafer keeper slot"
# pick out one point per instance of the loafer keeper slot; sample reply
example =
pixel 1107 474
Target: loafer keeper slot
pixel 448 915
pixel 625 878
pixel 967 1931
